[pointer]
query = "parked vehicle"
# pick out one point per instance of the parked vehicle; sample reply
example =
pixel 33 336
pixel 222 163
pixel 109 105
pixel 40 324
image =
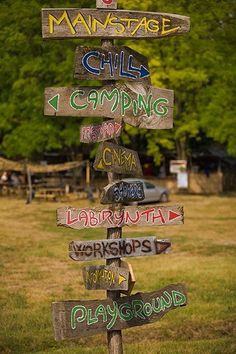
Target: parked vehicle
pixel 152 192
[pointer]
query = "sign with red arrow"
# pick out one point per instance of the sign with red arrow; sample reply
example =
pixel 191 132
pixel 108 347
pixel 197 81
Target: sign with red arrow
pixel 141 106
pixel 106 278
pixel 113 63
pixel 152 215
pixel 95 133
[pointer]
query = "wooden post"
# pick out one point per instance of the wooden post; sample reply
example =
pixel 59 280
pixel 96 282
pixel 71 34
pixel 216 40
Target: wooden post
pixel 87 173
pixel 114 338
pixel 29 179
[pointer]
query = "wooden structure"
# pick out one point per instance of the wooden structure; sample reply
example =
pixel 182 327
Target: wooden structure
pixel 91 23
pixel 109 249
pixel 100 132
pixel 153 215
pixel 116 63
pixel 140 106
pixel 115 158
pixel 122 192
pixel 106 278
pixel 74 319
pixel 136 103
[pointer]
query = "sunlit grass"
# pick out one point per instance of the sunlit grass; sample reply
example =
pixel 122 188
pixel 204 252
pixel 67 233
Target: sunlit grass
pixel 36 270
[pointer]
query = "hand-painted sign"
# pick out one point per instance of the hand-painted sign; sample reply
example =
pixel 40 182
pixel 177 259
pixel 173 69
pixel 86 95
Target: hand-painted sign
pixel 153 215
pixel 122 192
pixel 74 319
pixel 114 158
pixel 84 23
pixel 100 132
pixel 144 107
pixel 116 248
pixel 132 279
pixel 106 4
pixel 105 277
pixel 112 63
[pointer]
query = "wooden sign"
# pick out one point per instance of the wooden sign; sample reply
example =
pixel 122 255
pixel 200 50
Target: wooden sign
pixel 152 215
pixel 105 277
pixel 116 248
pixel 100 132
pixel 90 23
pixel 106 4
pixel 122 192
pixel 74 319
pixel 132 279
pixel 144 107
pixel 114 158
pixel 114 63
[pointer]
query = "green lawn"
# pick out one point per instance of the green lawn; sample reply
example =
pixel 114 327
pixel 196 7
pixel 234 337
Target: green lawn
pixel 36 270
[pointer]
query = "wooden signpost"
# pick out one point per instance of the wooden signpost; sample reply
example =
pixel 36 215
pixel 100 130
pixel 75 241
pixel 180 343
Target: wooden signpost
pixel 141 105
pixel 108 249
pixel 74 319
pixel 114 63
pixel 114 158
pixel 152 215
pixel 122 192
pixel 106 278
pixel 91 23
pixel 95 133
pixel 144 107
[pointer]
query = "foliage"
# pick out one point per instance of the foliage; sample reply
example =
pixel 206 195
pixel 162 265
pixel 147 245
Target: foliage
pixel 198 66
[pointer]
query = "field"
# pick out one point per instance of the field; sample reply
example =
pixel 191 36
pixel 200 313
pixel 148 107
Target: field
pixel 36 270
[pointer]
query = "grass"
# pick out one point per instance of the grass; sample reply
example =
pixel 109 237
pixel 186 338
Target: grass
pixel 35 271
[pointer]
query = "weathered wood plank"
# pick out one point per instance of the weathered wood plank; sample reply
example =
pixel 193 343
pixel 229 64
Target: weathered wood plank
pixel 143 107
pixel 122 192
pixel 132 279
pixel 100 132
pixel 116 248
pixel 114 158
pixel 106 278
pixel 92 23
pixel 152 215
pixel 74 319
pixel 113 63
pixel 106 4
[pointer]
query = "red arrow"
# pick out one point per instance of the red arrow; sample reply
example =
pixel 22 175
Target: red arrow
pixel 172 215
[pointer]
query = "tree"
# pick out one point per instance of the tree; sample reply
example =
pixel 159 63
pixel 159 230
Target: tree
pixel 199 66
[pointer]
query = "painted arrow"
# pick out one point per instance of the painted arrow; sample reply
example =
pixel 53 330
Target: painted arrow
pixel 121 279
pixel 172 215
pixel 54 102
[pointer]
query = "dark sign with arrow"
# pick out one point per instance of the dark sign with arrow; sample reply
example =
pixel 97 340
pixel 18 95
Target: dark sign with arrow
pixel 122 192
pixel 115 158
pixel 114 63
